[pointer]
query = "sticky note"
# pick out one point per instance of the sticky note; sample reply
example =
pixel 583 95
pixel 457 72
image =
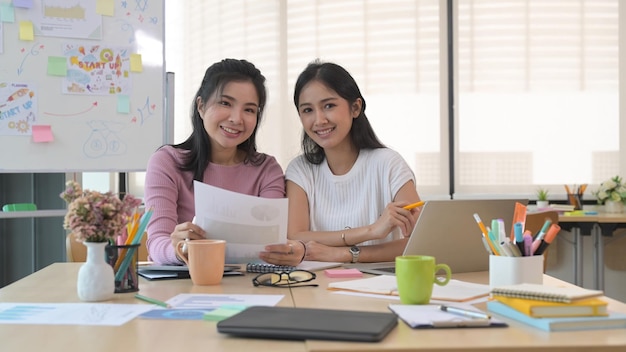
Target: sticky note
pixel 105 7
pixel 26 30
pixel 7 13
pixel 25 4
pixel 223 312
pixel 42 133
pixel 57 66
pixel 123 104
pixel 135 63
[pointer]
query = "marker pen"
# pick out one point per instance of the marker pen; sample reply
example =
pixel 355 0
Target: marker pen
pixel 518 228
pixel 528 243
pixel 552 232
pixel 543 230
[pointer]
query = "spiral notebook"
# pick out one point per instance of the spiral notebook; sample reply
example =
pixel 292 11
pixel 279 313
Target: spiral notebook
pixel 546 293
pixel 305 265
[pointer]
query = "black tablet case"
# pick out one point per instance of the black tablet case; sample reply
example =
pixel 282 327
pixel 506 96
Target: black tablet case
pixel 309 324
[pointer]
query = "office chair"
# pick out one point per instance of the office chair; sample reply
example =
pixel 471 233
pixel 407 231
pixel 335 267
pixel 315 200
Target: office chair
pixel 534 222
pixel 77 252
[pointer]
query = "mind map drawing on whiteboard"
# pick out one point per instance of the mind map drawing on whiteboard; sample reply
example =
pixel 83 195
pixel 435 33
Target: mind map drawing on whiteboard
pixel 103 140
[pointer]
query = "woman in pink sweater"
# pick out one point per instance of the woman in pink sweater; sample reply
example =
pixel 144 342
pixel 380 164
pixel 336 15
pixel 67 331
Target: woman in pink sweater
pixel 221 151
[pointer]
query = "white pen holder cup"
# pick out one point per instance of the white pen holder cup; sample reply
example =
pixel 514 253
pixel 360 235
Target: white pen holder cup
pixel 515 270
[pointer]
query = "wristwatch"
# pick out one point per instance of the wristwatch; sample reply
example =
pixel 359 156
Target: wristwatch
pixel 355 251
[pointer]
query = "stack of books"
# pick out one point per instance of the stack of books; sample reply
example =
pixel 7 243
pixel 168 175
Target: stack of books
pixel 552 308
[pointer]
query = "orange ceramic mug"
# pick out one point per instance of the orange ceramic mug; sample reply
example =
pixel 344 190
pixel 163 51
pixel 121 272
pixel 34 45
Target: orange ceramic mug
pixel 205 259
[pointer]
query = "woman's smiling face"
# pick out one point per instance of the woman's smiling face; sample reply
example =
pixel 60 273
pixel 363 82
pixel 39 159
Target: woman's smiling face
pixel 326 116
pixel 230 116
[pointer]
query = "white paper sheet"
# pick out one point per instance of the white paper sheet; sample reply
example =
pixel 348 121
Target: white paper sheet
pixel 246 223
pixel 209 301
pixel 70 313
pixel 455 290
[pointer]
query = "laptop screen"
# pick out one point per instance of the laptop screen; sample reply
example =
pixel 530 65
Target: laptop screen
pixel 447 230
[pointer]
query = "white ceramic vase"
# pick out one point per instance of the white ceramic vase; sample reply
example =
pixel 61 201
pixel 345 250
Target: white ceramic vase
pixel 542 204
pixel 613 207
pixel 96 281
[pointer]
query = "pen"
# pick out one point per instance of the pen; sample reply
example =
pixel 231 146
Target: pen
pixel 543 230
pixel 506 250
pixel 483 229
pixel 465 312
pixel 552 232
pixel 501 230
pixel 494 242
pixel 152 300
pixel 528 244
pixel 487 245
pixel 519 236
pixel 513 248
pixel 414 205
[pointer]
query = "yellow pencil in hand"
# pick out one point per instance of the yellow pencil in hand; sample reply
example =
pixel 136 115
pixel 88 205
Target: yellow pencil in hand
pixel 414 205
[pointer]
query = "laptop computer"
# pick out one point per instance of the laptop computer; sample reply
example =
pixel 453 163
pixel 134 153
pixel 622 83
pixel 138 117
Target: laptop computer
pixel 447 230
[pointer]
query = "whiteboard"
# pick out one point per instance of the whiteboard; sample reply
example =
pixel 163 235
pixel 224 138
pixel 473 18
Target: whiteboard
pixel 82 85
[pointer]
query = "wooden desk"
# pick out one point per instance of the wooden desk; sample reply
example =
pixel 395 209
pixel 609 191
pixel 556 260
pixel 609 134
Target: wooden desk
pixel 57 283
pixel 597 226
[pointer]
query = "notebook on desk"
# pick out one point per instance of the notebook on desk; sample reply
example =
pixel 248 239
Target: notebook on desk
pixel 162 272
pixel 447 230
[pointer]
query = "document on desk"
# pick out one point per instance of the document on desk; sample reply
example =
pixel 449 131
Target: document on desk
pixel 454 291
pixel 70 313
pixel 429 316
pixel 247 223
pixel 213 301
pixel 190 306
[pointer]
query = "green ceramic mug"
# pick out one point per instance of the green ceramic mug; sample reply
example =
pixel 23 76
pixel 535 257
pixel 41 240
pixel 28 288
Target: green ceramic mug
pixel 415 275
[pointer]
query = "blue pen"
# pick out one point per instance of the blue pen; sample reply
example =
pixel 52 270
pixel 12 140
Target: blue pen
pixel 518 227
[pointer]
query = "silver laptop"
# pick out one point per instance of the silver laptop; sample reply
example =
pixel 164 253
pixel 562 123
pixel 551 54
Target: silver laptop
pixel 447 230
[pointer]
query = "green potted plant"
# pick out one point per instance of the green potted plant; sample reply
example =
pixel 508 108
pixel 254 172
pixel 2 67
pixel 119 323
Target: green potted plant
pixel 542 198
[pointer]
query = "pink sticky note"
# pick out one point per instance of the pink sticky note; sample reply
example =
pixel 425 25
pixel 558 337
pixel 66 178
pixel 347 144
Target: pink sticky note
pixel 343 273
pixel 42 133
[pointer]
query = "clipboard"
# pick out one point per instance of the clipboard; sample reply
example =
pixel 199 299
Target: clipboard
pixel 430 316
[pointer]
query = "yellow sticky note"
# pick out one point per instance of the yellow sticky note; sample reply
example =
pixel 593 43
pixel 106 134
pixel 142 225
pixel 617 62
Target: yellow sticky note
pixel 123 104
pixel 57 66
pixel 26 30
pixel 105 7
pixel 42 133
pixel 135 63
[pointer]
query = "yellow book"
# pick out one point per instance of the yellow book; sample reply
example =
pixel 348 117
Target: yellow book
pixel 544 309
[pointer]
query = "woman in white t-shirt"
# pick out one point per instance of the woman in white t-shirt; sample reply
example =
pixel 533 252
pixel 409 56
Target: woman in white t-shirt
pixel 347 190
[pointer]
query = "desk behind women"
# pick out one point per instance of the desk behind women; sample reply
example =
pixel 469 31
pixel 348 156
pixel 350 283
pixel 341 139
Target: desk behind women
pixel 57 283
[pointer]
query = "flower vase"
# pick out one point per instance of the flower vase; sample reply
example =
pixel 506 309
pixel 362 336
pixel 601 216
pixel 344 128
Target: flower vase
pixel 613 207
pixel 96 281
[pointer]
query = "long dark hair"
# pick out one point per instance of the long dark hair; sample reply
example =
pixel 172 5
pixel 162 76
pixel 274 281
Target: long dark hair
pixel 338 79
pixel 198 144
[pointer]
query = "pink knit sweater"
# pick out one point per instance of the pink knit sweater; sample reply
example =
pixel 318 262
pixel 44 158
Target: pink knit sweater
pixel 170 192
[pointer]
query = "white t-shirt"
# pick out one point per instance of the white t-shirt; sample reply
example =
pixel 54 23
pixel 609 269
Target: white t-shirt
pixel 355 199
